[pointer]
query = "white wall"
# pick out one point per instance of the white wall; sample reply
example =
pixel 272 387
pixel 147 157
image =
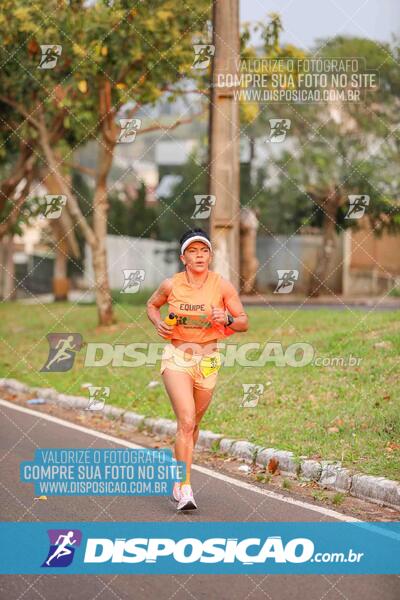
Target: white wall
pixel 135 253
pixel 296 252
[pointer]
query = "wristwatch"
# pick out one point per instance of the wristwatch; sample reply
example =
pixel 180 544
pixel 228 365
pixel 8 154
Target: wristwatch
pixel 230 321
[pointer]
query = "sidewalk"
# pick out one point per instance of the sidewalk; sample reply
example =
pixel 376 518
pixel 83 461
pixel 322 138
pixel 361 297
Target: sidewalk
pixel 296 300
pixel 341 302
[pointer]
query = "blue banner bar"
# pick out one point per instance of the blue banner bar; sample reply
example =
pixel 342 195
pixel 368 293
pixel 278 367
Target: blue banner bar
pixel 195 548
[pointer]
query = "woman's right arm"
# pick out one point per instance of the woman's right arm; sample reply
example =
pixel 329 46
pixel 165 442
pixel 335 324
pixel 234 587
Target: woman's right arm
pixel 156 300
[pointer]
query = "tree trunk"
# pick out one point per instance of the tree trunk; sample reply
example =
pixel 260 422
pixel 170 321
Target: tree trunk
pixel 99 253
pixel 65 241
pixel 329 236
pixel 248 259
pixel 103 294
pixel 60 278
pixel 2 262
pixel 63 227
pixel 8 269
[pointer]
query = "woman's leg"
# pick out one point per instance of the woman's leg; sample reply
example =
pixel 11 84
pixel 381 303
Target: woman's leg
pixel 202 399
pixel 179 386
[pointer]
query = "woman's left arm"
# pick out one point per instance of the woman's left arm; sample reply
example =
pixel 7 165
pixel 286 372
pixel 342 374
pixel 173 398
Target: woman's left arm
pixel 234 306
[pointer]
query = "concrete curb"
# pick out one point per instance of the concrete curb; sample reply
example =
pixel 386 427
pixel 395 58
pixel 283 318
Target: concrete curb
pixel 322 300
pixel 328 474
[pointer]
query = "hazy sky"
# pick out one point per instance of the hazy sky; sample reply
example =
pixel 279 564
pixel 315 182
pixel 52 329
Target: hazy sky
pixel 306 20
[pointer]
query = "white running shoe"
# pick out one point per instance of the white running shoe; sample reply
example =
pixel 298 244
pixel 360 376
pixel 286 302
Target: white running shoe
pixel 186 501
pixel 176 492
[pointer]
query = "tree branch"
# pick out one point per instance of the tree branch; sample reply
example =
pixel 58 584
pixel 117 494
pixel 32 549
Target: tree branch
pixel 19 108
pixel 24 164
pixel 12 218
pixel 170 127
pixel 73 206
pixel 178 91
pixel 107 112
pixel 81 169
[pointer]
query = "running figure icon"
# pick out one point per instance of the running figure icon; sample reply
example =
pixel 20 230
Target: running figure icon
pixel 62 549
pixel 62 350
pixel 63 347
pixel 63 545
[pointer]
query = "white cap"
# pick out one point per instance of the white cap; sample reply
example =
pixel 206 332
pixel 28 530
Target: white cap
pixel 196 238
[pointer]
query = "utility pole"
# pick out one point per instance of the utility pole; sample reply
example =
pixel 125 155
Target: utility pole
pixel 224 140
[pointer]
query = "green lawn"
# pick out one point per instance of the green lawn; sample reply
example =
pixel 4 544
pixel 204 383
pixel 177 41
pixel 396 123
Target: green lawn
pixel 360 406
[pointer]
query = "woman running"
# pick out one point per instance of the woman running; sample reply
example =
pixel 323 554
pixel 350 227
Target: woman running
pixel 207 307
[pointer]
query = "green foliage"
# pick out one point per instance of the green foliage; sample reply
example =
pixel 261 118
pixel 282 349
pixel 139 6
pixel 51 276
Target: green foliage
pixel 135 51
pixel 128 216
pixel 319 495
pixel 284 208
pixel 32 209
pixel 101 42
pixel 338 498
pixel 132 217
pixel 350 147
pixel 157 41
pixel 176 212
pixel 269 30
pixel 375 56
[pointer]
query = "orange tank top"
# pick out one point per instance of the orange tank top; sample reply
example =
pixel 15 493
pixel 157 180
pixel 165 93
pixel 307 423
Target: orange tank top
pixel 192 307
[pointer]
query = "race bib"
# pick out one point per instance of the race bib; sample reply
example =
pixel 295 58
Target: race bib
pixel 210 364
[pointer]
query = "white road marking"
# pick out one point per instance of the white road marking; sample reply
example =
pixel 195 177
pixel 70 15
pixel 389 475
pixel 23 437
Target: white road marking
pixel 231 480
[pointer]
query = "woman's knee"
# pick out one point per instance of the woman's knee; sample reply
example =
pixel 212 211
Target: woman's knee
pixel 187 425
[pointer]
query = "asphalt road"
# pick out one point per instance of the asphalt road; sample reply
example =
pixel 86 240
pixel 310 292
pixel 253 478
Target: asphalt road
pixel 219 499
